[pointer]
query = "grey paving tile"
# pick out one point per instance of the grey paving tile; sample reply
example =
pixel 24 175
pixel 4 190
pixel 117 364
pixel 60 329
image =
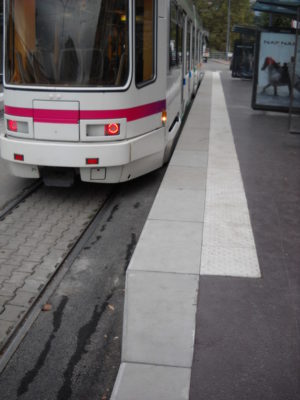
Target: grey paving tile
pixel 15 260
pixel 28 266
pixel 42 274
pixel 23 298
pixel 193 127
pixel 33 286
pixel 160 318
pixel 24 251
pixel 18 278
pixel 169 246
pixel 3 300
pixel 149 382
pixel 5 271
pixel 8 289
pixel 5 329
pixel 192 143
pixel 179 205
pixel 178 177
pixel 12 313
pixel 186 158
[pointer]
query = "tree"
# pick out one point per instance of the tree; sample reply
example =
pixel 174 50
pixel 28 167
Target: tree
pixel 214 17
pixel 264 20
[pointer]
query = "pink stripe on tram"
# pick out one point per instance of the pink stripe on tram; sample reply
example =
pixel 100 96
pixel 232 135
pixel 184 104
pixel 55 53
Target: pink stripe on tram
pixel 19 111
pixel 56 116
pixel 73 116
pixel 131 114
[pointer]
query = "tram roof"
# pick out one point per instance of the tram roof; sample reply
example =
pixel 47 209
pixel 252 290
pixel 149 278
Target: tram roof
pixel 245 30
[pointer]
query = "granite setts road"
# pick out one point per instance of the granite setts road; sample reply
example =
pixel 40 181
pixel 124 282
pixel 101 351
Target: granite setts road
pixel 34 239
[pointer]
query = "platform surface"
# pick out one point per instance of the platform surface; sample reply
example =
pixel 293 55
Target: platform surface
pixel 247 336
pixel 213 288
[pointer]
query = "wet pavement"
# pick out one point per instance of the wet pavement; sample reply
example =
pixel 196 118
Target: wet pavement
pixel 247 338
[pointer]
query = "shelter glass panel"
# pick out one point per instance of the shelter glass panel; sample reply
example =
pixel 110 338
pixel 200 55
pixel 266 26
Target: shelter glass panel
pixel 273 72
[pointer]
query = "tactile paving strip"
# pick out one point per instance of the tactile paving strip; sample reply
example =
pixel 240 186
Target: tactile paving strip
pixel 228 243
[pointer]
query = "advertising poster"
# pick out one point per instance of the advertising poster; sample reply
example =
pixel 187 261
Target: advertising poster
pixel 294 120
pixel 243 60
pixel 296 77
pixel 273 81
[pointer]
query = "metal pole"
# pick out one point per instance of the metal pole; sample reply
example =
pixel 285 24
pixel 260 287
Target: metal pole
pixel 228 31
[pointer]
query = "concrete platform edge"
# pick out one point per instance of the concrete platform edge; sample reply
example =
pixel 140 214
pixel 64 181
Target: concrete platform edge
pixel 155 326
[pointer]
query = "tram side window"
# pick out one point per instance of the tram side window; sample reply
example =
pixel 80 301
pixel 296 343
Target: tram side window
pixel 173 37
pixel 198 47
pixel 180 38
pixel 176 37
pixel 188 48
pixel 193 48
pixel 144 41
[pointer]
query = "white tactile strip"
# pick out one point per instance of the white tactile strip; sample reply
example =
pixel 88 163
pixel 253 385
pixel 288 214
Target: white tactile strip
pixel 228 243
pixel 240 262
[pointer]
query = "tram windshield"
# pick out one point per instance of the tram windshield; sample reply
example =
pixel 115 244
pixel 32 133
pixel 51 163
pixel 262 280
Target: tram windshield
pixel 67 42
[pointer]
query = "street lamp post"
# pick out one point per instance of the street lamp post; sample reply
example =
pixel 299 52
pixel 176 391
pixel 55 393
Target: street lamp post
pixel 228 31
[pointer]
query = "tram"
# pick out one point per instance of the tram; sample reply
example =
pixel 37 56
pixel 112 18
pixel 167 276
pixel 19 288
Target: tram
pixel 96 88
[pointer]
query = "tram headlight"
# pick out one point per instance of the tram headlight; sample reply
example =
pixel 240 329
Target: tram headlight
pixel 112 129
pixel 12 125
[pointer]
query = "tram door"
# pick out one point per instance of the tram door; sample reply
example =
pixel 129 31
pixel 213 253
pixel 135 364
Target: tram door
pixel 184 67
pixel 181 42
pixel 188 58
pixel 187 62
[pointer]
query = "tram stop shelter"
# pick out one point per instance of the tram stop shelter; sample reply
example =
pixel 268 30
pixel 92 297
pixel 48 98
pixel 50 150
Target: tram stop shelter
pixel 242 63
pixel 289 71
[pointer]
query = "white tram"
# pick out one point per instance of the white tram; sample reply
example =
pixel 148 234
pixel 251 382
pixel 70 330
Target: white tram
pixel 98 87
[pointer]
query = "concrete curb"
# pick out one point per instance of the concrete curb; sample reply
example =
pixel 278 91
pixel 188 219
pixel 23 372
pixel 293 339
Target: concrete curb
pixel 163 276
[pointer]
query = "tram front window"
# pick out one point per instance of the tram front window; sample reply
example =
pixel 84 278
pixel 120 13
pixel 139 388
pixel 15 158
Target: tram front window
pixel 67 42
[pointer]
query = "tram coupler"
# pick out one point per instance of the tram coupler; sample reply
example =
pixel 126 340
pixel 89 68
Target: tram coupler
pixel 59 177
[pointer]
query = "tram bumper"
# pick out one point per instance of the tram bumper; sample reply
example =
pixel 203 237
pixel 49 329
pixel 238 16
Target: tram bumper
pixel 116 161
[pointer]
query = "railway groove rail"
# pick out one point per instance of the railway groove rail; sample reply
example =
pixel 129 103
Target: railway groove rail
pixel 39 232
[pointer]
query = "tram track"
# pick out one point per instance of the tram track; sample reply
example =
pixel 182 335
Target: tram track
pixel 74 249
pixel 73 351
pixel 12 204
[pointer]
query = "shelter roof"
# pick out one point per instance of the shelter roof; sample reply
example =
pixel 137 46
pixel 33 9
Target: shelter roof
pixel 270 7
pixel 245 30
pixel 283 3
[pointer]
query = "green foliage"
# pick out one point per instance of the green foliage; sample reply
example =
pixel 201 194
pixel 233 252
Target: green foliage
pixel 214 16
pixel 263 20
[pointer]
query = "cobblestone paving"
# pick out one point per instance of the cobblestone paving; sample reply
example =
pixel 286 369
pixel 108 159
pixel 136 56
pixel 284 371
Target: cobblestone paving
pixel 34 240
